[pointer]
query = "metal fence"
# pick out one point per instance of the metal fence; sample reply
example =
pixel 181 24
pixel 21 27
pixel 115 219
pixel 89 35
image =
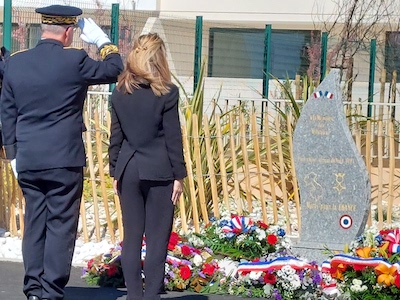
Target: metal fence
pixel 240 59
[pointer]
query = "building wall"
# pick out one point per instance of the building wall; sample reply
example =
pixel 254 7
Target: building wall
pixel 262 11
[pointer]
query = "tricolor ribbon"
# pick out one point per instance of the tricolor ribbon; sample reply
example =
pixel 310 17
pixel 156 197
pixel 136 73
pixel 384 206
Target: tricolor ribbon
pixel 348 260
pixel 275 264
pixel 394 241
pixel 238 225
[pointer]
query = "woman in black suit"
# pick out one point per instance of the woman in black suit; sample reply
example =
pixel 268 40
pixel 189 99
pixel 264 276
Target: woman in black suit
pixel 146 161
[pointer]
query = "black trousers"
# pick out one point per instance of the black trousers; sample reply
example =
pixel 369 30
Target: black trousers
pixel 146 209
pixel 51 220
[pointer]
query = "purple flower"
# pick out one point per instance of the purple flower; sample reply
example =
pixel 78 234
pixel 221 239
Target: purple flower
pixel 201 274
pixel 171 274
pixel 208 250
pixel 277 295
pixel 175 264
pixel 301 275
pixel 186 262
pixel 317 279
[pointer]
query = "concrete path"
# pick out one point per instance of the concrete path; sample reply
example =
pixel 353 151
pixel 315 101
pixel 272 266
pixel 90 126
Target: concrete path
pixel 11 276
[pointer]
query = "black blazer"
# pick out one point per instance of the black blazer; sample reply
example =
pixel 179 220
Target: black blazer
pixel 42 98
pixel 148 127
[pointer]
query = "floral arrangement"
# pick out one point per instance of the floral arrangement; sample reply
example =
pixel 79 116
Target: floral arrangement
pixel 280 278
pixel 188 267
pixel 238 256
pixel 105 270
pixel 369 268
pixel 240 237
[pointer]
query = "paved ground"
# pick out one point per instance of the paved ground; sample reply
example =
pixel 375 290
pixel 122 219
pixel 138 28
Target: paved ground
pixel 11 274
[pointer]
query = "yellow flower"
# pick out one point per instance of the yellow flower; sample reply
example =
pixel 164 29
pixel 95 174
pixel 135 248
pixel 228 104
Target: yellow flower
pixel 386 275
pixel 383 250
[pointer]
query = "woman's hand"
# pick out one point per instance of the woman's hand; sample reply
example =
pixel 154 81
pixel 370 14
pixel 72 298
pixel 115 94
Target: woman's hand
pixel 177 191
pixel 115 186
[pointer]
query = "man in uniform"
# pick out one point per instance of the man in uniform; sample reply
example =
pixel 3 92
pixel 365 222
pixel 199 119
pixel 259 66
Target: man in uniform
pixel 42 99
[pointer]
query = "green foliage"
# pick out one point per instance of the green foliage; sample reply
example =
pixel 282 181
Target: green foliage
pixel 192 108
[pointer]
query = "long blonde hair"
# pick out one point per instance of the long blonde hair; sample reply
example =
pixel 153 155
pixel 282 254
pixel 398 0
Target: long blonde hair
pixel 147 62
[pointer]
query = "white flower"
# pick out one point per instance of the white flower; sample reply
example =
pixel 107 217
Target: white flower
pixel 268 288
pixel 261 235
pixel 255 275
pixel 286 269
pixel 197 260
pixel 228 266
pixel 196 241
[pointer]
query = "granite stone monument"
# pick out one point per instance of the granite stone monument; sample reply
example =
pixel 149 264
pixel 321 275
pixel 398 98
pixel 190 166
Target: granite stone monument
pixel 334 185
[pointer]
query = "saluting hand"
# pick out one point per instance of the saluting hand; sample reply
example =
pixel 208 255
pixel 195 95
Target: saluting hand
pixel 92 33
pixel 177 191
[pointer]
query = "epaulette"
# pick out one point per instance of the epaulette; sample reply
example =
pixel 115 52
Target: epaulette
pixel 12 54
pixel 77 48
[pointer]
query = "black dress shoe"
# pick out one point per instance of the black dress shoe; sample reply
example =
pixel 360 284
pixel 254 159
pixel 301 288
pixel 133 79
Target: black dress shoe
pixel 33 298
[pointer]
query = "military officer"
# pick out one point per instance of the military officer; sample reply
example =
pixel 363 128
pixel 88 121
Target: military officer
pixel 41 112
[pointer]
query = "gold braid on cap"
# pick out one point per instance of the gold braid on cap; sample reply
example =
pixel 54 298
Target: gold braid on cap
pixel 58 20
pixel 108 49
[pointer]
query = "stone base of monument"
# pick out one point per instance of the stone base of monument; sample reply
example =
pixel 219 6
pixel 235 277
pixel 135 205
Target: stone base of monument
pixel 312 251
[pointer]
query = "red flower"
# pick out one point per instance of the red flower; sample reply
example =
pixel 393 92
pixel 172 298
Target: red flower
pixel 256 259
pixel 397 281
pixel 111 270
pixel 185 272
pixel 173 240
pixel 90 263
pixel 272 239
pixel 262 225
pixel 208 269
pixel 186 250
pixel 269 278
pixel 198 251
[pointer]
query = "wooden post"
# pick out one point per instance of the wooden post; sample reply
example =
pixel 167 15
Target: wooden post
pixel 259 168
pixel 211 167
pixel 192 194
pixel 199 168
pixel 99 150
pixel 92 178
pixel 222 166
pixel 243 144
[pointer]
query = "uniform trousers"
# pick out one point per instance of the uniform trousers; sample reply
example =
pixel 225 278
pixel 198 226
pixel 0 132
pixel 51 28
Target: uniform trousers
pixel 51 219
pixel 147 210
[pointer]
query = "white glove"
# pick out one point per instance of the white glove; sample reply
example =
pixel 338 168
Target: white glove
pixel 14 167
pixel 92 33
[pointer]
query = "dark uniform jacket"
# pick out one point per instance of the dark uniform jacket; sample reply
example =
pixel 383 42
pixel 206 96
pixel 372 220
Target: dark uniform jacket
pixel 45 88
pixel 147 127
